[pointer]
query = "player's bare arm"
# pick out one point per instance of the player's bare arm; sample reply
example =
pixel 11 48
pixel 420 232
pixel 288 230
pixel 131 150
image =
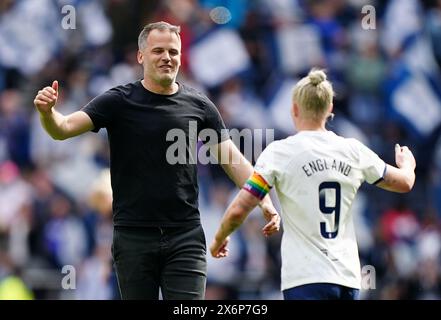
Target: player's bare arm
pixel 400 178
pixel 58 126
pixel 233 218
pixel 239 169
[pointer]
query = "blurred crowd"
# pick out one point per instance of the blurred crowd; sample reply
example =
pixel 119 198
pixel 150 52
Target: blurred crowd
pixel 55 197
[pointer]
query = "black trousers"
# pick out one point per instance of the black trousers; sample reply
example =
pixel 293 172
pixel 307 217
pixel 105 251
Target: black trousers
pixel 170 258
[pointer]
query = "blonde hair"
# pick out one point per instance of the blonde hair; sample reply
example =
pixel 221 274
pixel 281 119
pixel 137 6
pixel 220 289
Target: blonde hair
pixel 314 94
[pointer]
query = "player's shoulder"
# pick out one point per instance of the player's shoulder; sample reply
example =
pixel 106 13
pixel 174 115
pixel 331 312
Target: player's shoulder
pixel 355 147
pixel 279 148
pixel 294 142
pixel 350 142
pixel 354 143
pixel 278 144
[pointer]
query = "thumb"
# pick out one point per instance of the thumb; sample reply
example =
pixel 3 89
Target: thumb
pixel 55 86
pixel 397 147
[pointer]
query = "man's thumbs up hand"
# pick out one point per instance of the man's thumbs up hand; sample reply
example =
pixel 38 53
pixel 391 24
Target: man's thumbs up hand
pixel 47 98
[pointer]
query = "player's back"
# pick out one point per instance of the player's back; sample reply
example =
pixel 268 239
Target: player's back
pixel 316 175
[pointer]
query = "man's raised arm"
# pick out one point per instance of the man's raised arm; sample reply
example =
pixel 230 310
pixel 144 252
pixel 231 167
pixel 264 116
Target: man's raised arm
pixel 58 126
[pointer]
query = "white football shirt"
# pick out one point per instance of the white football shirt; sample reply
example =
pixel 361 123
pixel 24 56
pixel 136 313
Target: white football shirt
pixel 316 175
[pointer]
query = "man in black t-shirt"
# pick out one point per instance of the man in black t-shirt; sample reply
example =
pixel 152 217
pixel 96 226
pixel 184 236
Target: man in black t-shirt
pixel 158 239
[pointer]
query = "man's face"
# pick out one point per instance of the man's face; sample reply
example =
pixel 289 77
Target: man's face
pixel 161 57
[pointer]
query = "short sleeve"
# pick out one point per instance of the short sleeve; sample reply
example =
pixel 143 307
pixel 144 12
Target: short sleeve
pixel 372 166
pixel 214 121
pixel 101 109
pixel 266 165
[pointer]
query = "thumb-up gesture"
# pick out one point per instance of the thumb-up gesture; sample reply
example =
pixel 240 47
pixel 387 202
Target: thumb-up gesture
pixel 404 157
pixel 47 98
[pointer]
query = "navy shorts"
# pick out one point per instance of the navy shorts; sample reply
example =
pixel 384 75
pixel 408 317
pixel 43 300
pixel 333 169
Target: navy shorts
pixel 321 291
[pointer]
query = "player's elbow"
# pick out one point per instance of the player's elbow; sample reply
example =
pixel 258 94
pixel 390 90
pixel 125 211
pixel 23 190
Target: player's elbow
pixel 58 136
pixel 408 185
pixel 236 216
pixel 409 181
pixel 405 185
pixel 403 189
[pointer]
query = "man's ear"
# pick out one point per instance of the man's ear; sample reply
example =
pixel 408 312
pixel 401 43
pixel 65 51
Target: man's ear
pixel 140 57
pixel 331 107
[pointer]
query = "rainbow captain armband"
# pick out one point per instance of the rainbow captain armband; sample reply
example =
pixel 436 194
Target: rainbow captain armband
pixel 257 186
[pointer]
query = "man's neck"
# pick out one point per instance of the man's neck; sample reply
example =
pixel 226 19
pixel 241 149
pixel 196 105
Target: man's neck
pixel 158 89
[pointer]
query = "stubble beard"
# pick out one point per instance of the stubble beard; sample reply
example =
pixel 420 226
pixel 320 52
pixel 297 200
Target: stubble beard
pixel 166 80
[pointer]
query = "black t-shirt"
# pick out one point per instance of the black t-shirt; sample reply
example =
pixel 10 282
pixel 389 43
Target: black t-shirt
pixel 148 190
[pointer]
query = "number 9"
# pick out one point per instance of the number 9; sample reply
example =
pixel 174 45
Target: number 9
pixel 330 209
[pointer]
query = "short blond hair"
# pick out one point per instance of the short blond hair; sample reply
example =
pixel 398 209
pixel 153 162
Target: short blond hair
pixel 314 94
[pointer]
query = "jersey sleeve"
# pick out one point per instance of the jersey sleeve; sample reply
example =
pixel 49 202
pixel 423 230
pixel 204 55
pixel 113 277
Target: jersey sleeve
pixel 266 165
pixel 214 121
pixel 373 167
pixel 101 109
